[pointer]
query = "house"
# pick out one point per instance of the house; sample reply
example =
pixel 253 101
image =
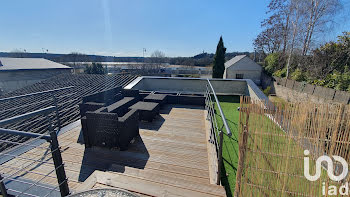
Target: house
pixel 242 67
pixel 16 73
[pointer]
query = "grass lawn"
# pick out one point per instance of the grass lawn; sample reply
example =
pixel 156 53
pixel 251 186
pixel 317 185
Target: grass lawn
pixel 278 101
pixel 229 105
pixel 275 142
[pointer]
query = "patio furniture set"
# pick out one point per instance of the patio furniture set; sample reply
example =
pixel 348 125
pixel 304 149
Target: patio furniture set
pixel 111 118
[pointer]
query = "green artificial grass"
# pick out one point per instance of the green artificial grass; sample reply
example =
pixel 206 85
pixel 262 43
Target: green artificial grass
pixel 229 105
pixel 272 143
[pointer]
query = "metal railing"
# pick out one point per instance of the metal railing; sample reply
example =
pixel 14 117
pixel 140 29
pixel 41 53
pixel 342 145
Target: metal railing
pixel 216 133
pixel 228 130
pixel 54 100
pixel 19 171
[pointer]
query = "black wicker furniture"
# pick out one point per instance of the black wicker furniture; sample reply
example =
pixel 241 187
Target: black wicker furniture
pixel 107 120
pixel 105 129
pixel 89 106
pixel 147 110
pixel 121 106
pixel 108 97
pixel 156 98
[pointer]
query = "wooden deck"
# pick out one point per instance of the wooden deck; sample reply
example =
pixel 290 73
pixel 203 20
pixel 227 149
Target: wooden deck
pixel 169 158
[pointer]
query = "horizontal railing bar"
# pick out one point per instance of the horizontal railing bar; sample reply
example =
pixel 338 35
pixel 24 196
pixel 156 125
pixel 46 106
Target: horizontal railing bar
pixel 29 183
pixel 55 189
pixel 18 143
pixel 25 134
pixel 35 93
pixel 228 130
pixel 26 171
pixel 20 193
pixel 42 178
pixel 27 115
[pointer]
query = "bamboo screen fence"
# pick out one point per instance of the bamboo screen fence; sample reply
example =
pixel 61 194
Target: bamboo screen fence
pixel 272 143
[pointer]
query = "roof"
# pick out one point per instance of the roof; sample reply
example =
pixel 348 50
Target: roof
pixel 234 60
pixel 68 100
pixel 7 63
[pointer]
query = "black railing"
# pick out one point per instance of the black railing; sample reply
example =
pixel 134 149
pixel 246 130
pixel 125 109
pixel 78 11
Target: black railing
pixel 54 100
pixel 16 173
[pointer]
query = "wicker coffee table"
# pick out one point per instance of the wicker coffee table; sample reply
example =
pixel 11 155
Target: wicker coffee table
pixel 147 110
pixel 157 98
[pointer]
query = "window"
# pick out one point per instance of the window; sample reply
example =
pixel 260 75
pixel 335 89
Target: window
pixel 239 76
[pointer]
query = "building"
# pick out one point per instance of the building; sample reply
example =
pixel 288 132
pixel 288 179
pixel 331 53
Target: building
pixel 242 67
pixel 16 73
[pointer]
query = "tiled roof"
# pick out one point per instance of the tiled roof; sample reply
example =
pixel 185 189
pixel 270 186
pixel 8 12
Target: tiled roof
pixel 234 60
pixel 84 84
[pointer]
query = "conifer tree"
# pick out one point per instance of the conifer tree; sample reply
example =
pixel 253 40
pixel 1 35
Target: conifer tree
pixel 219 60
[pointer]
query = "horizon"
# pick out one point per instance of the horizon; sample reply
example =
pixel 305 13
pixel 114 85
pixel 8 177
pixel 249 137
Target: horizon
pixel 123 29
pixel 114 56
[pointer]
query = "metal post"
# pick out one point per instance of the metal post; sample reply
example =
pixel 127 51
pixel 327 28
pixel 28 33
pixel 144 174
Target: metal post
pixel 221 136
pixel 3 188
pixel 241 159
pixel 57 160
pixel 57 113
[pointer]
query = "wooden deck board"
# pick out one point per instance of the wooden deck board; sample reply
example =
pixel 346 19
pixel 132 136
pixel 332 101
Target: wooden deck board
pixel 169 157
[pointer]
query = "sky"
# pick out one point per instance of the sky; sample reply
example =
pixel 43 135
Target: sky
pixel 125 27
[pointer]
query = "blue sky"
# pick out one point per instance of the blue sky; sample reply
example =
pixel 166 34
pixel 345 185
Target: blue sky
pixel 123 28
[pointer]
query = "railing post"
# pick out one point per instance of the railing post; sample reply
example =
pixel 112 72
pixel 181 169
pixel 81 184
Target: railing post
pixel 221 136
pixel 57 112
pixel 3 188
pixel 57 160
pixel 242 150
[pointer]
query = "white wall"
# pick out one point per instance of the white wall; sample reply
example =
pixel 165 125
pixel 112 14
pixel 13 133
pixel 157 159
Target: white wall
pixel 188 85
pixel 247 67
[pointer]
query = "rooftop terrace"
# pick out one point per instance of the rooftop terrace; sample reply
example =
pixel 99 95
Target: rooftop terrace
pixel 168 159
pixel 177 154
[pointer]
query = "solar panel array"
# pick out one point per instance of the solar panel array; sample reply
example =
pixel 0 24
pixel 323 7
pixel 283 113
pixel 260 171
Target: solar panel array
pixel 68 100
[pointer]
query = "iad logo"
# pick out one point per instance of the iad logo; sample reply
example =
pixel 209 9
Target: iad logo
pixel 330 168
pixel 332 189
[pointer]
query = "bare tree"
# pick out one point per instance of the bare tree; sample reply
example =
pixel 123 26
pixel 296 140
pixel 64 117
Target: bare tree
pixel 320 13
pixel 281 30
pixel 157 54
pixel 19 53
pixel 156 59
pixel 296 14
pixel 281 11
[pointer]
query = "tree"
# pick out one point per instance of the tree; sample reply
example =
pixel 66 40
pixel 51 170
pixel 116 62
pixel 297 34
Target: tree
pixel 319 14
pixel 18 53
pixel 331 56
pixel 276 28
pixel 219 60
pixel 157 58
pixel 293 27
pixel 269 40
pixel 95 68
pixel 272 63
pixel 297 11
pixel 157 54
pixel 298 75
